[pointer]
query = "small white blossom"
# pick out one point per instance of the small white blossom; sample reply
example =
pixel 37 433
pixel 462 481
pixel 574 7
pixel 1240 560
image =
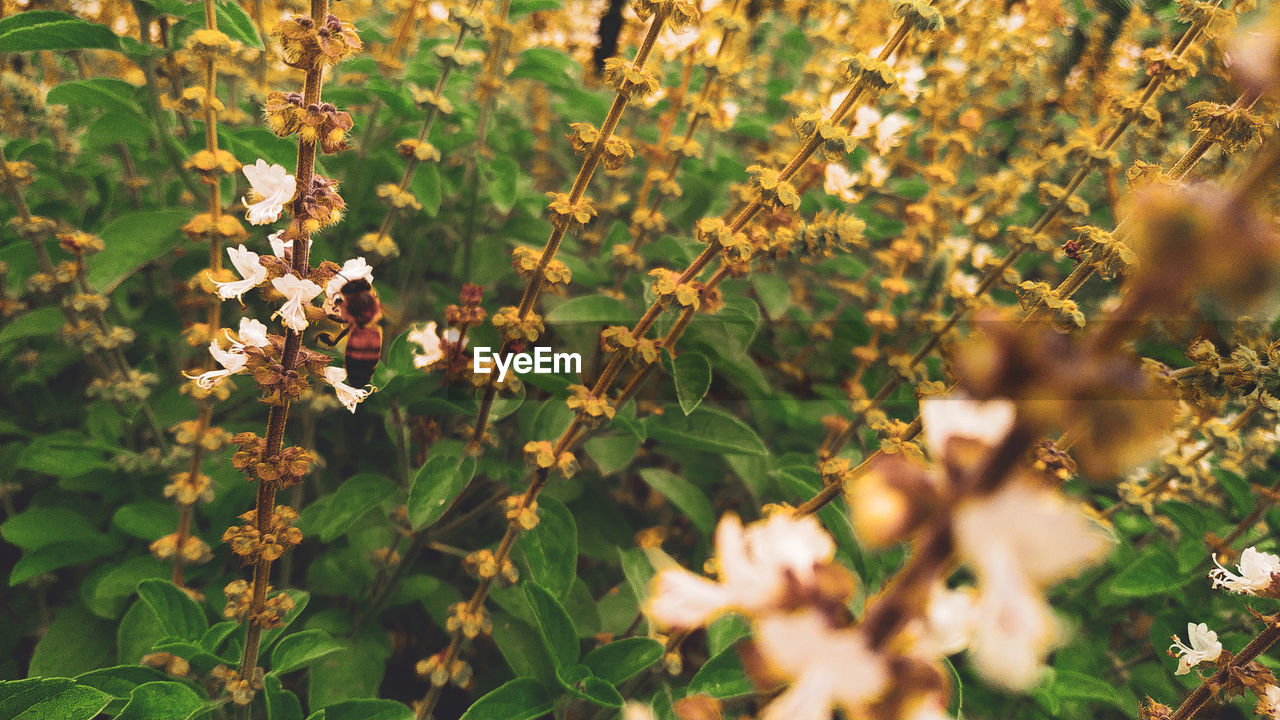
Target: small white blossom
pixel 274 185
pixel 1269 703
pixel 958 416
pixel 637 711
pixel 827 667
pixel 865 120
pixel 948 622
pixel 1256 569
pixel 281 248
pixel 353 269
pixel 1204 647
pixel 756 567
pixel 889 132
pixel 347 395
pixel 909 80
pixel 252 332
pixel 426 338
pixel 231 360
pixel 839 182
pixel 1018 541
pixel 877 170
pixel 246 263
pixel 296 291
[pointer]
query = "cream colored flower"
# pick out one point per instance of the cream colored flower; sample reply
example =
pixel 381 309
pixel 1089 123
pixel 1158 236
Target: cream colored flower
pixel 1018 541
pixel 426 338
pixel 281 248
pixel 956 415
pixel 231 360
pixel 828 667
pixel 889 132
pixel 757 567
pixel 1204 647
pixel 296 291
pixel 1256 569
pixel 274 185
pixel 347 395
pixel 839 182
pixel 354 269
pixel 246 263
pixel 252 333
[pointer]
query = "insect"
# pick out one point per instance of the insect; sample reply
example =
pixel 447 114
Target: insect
pixel 357 305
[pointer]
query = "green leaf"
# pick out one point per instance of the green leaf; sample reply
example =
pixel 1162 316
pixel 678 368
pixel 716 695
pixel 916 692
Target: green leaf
pixel 76 642
pixel 591 310
pixel 707 430
pixel 580 683
pixel 522 647
pixel 354 673
pixel 1153 572
pixel 146 520
pixel 1070 685
pixel 107 591
pixel 524 7
pixel 426 186
pixel 300 600
pixel 120 681
pixel 236 23
pixel 281 704
pixel 155 700
pixel 34 528
pixel 436 485
pixel 692 374
pixel 612 452
pixel 364 709
pixel 301 649
pixel 40 322
pixel 100 94
pixel 49 699
pixel 63 455
pixel 500 177
pixel 353 498
pixel 133 240
pixel 61 554
pixel 721 677
pixel 686 496
pixel 550 550
pixel 519 699
pixel 138 633
pixel 554 68
pixel 178 614
pixel 49 30
pixel 553 624
pixel 622 659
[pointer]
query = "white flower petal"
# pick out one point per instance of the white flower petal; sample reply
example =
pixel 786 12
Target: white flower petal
pixel 252 332
pixel 274 185
pixel 296 292
pixel 426 338
pixel 246 263
pixel 955 415
pixel 347 395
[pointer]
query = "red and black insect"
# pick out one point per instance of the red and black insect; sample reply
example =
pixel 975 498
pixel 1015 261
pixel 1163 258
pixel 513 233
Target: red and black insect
pixel 358 306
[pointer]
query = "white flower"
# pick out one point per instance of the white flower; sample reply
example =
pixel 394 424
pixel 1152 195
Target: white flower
pixel 1018 541
pixel 452 336
pixel 252 332
pixel 353 269
pixel 231 360
pixel 347 395
pixel 955 415
pixel 246 263
pixel 637 711
pixel 839 182
pixel 827 667
pixel 948 622
pixel 757 565
pixel 729 111
pixel 1204 648
pixel 877 170
pixel 1269 703
pixel 673 42
pixel 909 80
pixel 426 338
pixel 274 185
pixel 281 248
pixel 296 291
pixel 889 132
pixel 865 118
pixel 1256 569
